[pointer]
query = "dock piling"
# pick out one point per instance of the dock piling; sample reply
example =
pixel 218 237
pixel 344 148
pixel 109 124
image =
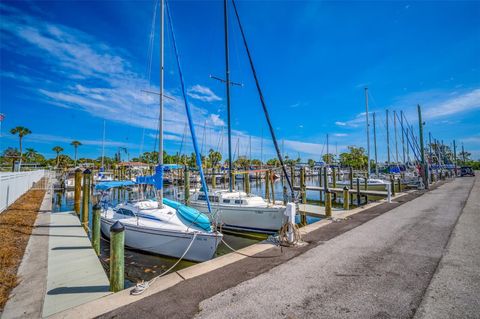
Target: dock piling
pixel 303 192
pixel 86 198
pixel 358 191
pixel 267 184
pixel 334 177
pixel 117 266
pixel 96 229
pixel 78 190
pixel 186 186
pixel 214 179
pixel 346 202
pixel 271 187
pixel 328 204
pixel 392 182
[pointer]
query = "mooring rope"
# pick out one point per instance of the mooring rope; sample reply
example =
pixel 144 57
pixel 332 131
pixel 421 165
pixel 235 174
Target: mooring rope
pixel 144 285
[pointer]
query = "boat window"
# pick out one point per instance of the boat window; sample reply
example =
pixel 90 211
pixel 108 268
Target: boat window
pixel 125 212
pixel 201 197
pixel 213 199
pixel 238 201
pixel 226 201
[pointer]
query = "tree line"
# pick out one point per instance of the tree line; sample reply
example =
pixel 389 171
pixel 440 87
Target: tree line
pixel 355 157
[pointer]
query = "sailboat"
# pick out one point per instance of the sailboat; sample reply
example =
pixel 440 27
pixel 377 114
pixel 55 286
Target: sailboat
pixel 160 225
pixel 103 176
pixel 232 209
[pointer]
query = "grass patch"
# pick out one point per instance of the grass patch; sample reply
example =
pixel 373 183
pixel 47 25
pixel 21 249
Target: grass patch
pixel 16 225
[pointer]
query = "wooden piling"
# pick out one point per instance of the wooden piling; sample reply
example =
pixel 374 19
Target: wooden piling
pixel 358 192
pixel 186 186
pixel 285 196
pixel 247 182
pixel 399 185
pixel 328 204
pixel 86 198
pixel 325 179
pixel 303 192
pixel 346 202
pixel 350 176
pixel 292 174
pixel 334 178
pixel 117 267
pixel 96 229
pixel 392 181
pixel 267 188
pixel 78 190
pixel 272 190
pixel 320 183
pixel 214 179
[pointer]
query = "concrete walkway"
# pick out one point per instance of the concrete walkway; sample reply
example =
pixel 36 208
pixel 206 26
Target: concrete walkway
pixel 59 269
pixel 380 269
pixel 454 291
pixel 75 275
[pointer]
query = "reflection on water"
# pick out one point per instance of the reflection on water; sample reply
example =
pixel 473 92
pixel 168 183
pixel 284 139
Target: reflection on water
pixel 140 265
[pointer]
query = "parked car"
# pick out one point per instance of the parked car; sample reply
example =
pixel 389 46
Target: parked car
pixel 466 171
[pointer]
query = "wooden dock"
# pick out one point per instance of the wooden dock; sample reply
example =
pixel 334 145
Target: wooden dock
pixel 362 192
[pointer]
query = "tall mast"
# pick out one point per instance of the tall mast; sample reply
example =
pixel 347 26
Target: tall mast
pixel 375 144
pixel 388 141
pixel 368 132
pixel 395 131
pixel 261 151
pixel 250 147
pixel 403 137
pixel 227 83
pixel 328 154
pixel 160 115
pixel 455 156
pixel 103 144
pixel 430 155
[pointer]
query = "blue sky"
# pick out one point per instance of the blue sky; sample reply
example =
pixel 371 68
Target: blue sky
pixel 66 67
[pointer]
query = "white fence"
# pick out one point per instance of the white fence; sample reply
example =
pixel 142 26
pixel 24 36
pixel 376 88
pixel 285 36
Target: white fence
pixel 14 185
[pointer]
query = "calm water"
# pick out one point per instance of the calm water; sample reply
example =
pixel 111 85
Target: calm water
pixel 143 266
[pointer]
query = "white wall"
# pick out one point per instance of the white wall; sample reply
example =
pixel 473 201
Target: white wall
pixel 14 185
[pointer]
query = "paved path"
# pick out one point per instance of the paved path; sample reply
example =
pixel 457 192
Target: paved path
pixel 454 291
pixel 75 275
pixel 380 269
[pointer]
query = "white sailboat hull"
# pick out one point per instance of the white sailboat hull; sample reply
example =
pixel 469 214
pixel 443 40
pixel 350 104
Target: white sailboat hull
pixel 244 218
pixel 167 243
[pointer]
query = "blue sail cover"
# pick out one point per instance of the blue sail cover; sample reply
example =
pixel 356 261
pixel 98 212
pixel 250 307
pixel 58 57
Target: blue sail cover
pixel 158 177
pixel 103 186
pixel 190 215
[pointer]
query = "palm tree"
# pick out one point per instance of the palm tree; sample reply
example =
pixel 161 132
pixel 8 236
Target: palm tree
pixel 13 154
pixel 76 144
pixel 58 150
pixel 21 131
pixel 30 154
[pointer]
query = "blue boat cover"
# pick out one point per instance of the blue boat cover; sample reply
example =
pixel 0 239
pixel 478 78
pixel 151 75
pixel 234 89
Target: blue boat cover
pixel 103 186
pixel 190 215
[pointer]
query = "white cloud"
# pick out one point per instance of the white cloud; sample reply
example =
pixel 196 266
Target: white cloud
pixel 215 120
pixel 202 93
pixel 340 134
pixel 467 101
pixel 340 123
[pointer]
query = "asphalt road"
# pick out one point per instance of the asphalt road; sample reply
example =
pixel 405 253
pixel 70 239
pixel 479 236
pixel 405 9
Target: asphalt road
pixel 380 269
pixel 379 263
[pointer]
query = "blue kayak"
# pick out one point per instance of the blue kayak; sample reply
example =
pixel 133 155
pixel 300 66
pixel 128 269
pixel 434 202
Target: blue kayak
pixel 190 215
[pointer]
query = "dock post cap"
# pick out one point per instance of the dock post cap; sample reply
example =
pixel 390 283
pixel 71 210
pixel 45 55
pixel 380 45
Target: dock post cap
pixel 345 188
pixel 117 227
pixel 78 169
pixel 87 171
pixel 96 207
